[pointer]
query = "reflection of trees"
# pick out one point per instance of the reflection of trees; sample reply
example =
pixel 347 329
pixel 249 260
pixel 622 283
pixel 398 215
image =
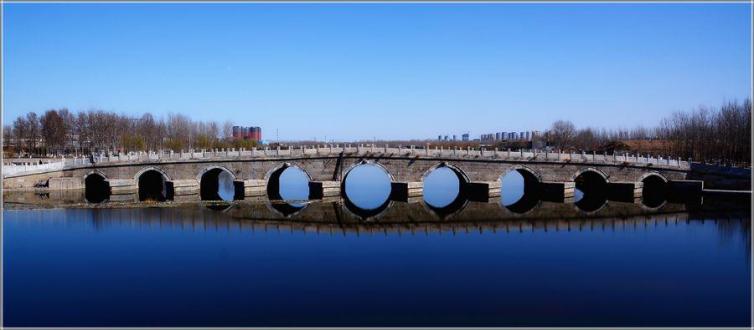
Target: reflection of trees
pixel 729 227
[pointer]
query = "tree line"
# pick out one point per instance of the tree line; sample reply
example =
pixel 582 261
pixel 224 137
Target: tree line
pixel 60 131
pixel 714 135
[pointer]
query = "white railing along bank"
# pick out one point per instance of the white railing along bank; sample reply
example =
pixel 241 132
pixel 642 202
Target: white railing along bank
pixel 362 149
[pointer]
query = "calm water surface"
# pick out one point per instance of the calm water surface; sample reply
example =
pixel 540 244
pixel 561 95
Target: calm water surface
pixel 251 265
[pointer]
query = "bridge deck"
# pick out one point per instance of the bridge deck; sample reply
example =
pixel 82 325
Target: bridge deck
pixel 370 151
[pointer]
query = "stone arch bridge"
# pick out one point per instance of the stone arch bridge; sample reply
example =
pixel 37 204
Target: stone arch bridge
pixel 255 172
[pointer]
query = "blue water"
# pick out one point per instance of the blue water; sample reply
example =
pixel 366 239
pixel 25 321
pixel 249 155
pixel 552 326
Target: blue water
pixel 190 266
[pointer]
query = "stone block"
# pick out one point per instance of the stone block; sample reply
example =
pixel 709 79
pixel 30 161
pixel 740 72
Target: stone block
pixel 65 183
pixel 183 187
pixel 122 186
pixel 250 188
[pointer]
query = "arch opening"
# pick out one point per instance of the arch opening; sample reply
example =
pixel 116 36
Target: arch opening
pixel 519 190
pixel 591 191
pixel 367 187
pixel 216 184
pixel 289 183
pixel 153 186
pixel 447 201
pixel 442 186
pixel 654 191
pixel 96 188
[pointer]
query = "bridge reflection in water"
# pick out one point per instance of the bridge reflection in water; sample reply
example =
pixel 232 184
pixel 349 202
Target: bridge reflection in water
pixel 338 215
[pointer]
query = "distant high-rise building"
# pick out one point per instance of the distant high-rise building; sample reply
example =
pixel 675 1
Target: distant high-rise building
pixel 253 133
pixel 465 136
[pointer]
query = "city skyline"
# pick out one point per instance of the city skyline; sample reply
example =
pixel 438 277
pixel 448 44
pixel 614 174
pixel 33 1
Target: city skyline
pixel 400 71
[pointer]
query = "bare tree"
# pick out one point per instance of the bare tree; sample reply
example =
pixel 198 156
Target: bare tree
pixel 561 134
pixel 53 128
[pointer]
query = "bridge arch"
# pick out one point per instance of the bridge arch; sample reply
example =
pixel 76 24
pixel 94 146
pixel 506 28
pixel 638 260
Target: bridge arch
pixel 367 162
pixel 151 168
pixel 348 200
pixel 591 205
pixel 272 179
pixel 153 184
pixel 214 167
pixel 651 174
pixel 593 170
pixel 285 210
pixel 593 185
pixel 460 201
pixel 462 177
pixel 529 197
pixel 366 214
pixel 524 171
pixel 209 182
pixel 654 190
pixel 96 187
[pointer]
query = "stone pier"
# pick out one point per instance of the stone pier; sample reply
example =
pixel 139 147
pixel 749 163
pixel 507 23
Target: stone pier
pixel 250 188
pixel 482 191
pixel 122 186
pixel 183 190
pixel 321 189
pixel 404 191
pixel 557 191
pixel 624 191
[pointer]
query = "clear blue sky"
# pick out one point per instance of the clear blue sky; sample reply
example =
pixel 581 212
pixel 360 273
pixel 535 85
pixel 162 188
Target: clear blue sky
pixel 351 71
